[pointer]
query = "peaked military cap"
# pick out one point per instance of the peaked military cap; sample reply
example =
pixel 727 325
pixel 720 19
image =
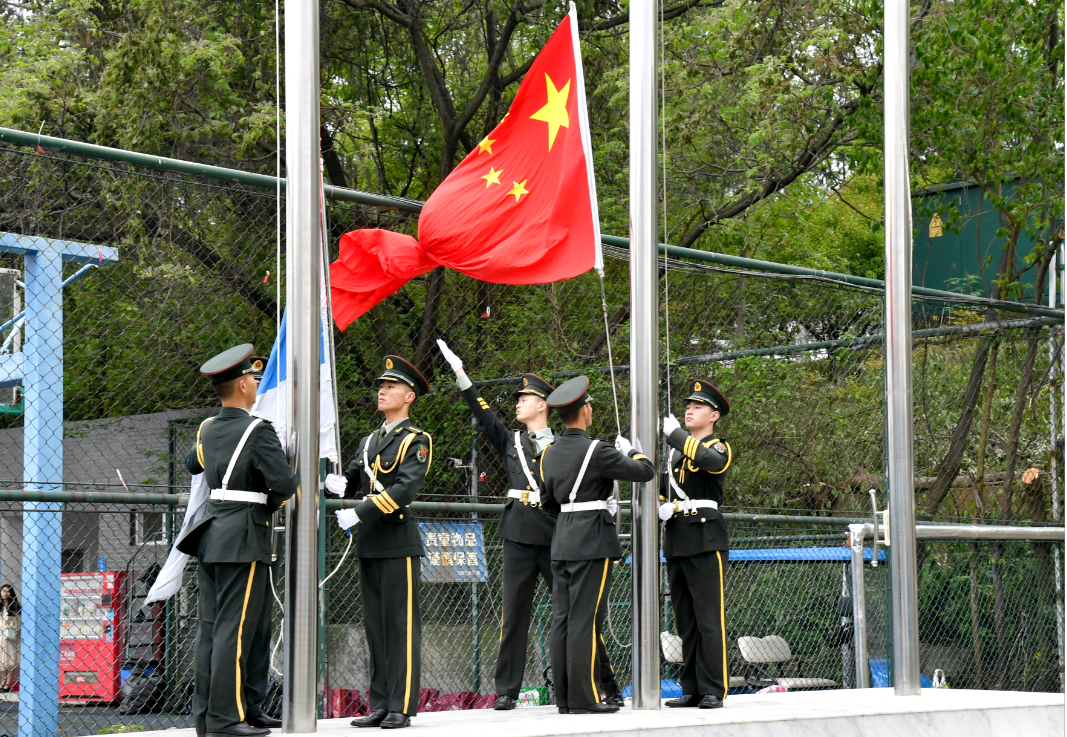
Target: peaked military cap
pixel 229 365
pixel 534 384
pixel 259 365
pixel 702 390
pixel 571 395
pixel 395 368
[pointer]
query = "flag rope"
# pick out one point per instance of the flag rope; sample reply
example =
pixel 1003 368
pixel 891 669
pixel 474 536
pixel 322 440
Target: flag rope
pixel 277 169
pixel 611 360
pixel 666 232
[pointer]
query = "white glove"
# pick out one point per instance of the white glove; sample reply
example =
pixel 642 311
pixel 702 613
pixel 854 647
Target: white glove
pixel 666 511
pixel 452 358
pixel 335 484
pixel 613 505
pixel 346 518
pixel 670 424
pixel 623 445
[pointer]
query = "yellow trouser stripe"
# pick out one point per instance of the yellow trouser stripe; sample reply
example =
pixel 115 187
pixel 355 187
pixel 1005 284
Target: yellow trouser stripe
pixel 407 687
pixel 722 626
pixel 592 655
pixel 240 636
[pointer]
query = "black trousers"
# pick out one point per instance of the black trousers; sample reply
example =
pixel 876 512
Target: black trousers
pixel 523 564
pixel 699 578
pixel 579 591
pixel 390 588
pixel 230 607
pixel 259 654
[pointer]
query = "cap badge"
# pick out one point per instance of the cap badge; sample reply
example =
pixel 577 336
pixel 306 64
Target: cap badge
pixel 525 382
pixel 258 365
pixel 696 386
pixel 388 363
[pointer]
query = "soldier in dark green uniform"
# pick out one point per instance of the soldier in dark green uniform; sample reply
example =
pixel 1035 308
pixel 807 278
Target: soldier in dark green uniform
pixel 578 474
pixel 388 471
pixel 697 544
pixel 258 678
pixel 526 525
pixel 245 466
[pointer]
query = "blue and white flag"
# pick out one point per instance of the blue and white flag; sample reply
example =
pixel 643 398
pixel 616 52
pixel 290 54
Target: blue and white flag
pixel 271 400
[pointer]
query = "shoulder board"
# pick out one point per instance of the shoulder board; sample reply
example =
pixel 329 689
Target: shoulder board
pixel 417 431
pixel 257 416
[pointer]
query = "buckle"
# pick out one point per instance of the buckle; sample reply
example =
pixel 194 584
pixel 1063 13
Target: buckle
pixel 526 498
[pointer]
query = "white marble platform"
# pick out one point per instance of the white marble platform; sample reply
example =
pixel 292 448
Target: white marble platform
pixel 859 713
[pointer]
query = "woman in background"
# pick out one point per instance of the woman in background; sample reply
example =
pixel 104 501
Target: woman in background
pixel 10 624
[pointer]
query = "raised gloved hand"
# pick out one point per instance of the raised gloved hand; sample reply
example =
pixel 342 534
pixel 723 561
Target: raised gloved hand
pixel 346 518
pixel 452 358
pixel 623 445
pixel 613 505
pixel 335 484
pixel 666 511
pixel 670 424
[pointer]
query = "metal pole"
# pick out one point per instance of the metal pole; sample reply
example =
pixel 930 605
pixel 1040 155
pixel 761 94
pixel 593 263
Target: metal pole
pixel 303 246
pixel 859 607
pixel 1053 273
pixel 898 352
pixel 476 655
pixel 644 346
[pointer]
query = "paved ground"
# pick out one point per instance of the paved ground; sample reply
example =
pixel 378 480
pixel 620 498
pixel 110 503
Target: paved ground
pixel 841 713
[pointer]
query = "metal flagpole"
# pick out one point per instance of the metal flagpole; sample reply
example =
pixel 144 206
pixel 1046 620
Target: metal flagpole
pixel 644 347
pixel 1053 411
pixel 898 387
pixel 303 246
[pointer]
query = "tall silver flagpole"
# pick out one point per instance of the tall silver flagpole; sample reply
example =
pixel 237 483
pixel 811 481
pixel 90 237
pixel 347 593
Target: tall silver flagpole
pixel 898 388
pixel 303 248
pixel 644 346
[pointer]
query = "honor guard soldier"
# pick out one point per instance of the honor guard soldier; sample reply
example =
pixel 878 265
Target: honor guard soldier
pixel 578 474
pixel 388 471
pixel 697 544
pixel 526 526
pixel 246 468
pixel 259 653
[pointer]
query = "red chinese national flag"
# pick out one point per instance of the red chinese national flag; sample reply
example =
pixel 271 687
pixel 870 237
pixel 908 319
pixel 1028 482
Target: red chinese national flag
pixel 520 209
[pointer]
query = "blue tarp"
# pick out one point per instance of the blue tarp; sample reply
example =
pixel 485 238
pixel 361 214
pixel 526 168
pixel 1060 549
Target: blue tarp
pixel 794 555
pixel 880 675
pixel 800 555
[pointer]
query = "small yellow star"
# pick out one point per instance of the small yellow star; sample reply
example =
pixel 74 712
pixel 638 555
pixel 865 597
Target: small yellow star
pixel 493 177
pixel 486 145
pixel 519 189
pixel 555 110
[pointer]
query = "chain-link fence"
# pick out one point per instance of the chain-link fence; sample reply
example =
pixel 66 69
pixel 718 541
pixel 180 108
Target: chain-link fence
pixel 987 618
pixel 166 269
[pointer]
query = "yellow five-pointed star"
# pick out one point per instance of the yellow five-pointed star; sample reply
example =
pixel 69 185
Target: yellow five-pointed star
pixel 486 145
pixel 519 189
pixel 493 177
pixel 555 110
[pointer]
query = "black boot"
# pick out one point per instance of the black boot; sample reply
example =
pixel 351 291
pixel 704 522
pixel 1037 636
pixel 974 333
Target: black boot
pixel 240 729
pixel 265 721
pixel 374 719
pixel 396 720
pixel 615 700
pixel 504 703
pixel 710 702
pixel 596 709
pixel 683 701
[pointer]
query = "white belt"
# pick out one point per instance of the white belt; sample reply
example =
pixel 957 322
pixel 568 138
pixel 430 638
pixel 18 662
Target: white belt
pixel 527 497
pixel 688 506
pixel 233 495
pixel 584 506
